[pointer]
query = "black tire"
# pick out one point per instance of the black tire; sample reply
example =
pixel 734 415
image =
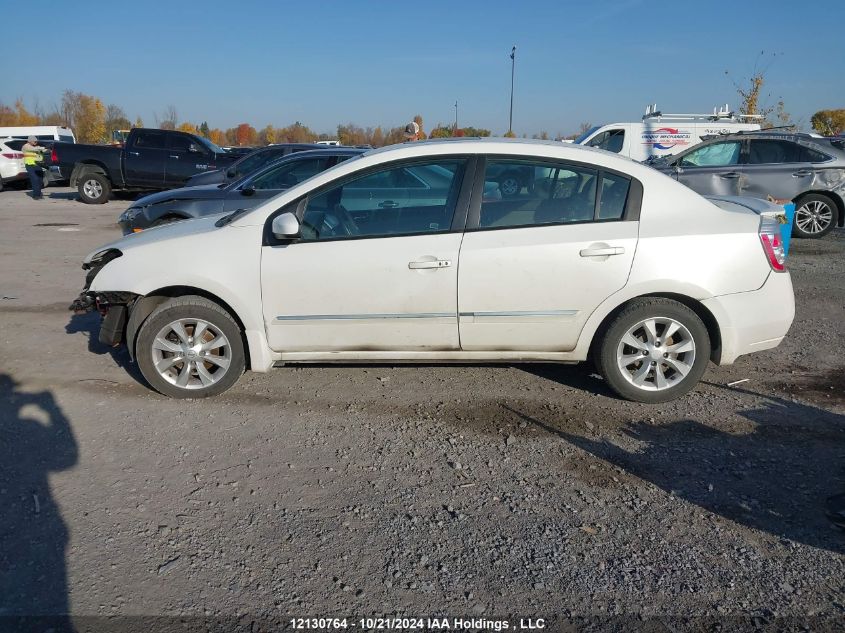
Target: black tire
pixel 219 321
pixel 94 188
pixel 610 344
pixel 510 185
pixel 817 213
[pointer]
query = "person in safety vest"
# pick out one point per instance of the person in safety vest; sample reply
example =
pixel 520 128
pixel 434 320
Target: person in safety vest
pixel 33 154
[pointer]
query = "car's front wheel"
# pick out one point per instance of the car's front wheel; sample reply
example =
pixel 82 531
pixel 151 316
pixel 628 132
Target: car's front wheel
pixel 654 350
pixel 190 347
pixel 815 216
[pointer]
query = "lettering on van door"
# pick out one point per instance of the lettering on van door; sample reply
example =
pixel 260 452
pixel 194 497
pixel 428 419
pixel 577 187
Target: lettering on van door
pixel 667 138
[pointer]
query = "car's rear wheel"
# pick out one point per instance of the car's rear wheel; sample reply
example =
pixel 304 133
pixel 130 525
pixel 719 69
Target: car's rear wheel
pixel 94 188
pixel 815 216
pixel 510 185
pixel 190 347
pixel 654 350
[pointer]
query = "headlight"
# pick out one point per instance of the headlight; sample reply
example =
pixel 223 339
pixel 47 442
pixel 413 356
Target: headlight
pixel 130 214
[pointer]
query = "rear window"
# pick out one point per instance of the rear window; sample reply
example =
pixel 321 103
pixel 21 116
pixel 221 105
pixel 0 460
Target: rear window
pixel 67 139
pixel 156 140
pixel 773 151
pixel 809 155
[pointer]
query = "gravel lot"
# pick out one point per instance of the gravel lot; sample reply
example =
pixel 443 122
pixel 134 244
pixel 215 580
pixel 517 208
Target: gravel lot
pixel 494 492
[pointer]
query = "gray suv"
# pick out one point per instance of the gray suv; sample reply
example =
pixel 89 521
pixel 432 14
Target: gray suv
pixel 808 170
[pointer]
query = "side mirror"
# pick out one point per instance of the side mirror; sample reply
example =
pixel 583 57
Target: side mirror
pixel 249 190
pixel 231 173
pixel 285 226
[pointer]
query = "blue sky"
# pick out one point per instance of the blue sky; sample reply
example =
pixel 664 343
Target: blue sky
pixel 371 63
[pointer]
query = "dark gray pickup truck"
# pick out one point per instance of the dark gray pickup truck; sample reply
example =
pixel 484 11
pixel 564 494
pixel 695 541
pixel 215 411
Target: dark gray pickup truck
pixel 151 160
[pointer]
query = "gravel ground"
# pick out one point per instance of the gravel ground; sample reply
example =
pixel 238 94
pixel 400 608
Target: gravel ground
pixel 491 492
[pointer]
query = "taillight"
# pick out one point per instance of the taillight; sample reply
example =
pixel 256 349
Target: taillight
pixel 54 157
pixel 772 243
pixel 13 155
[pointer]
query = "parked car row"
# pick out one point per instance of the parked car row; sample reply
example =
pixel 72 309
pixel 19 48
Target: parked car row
pixel 415 253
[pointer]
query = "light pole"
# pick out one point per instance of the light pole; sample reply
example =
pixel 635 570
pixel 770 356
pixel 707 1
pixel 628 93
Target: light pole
pixel 513 64
pixel 456 115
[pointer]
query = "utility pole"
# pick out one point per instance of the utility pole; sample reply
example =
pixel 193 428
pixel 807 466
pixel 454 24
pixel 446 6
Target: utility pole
pixel 513 64
pixel 456 115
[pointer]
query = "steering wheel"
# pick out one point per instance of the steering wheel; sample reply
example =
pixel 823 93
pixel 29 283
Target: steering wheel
pixel 346 222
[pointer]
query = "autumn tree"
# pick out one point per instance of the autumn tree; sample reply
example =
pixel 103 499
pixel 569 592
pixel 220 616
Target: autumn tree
pixel 86 115
pixel 476 131
pixel 267 135
pixel 139 122
pixel 246 134
pixel 829 122
pixel 116 118
pixel 217 136
pixel 377 137
pixel 190 128
pixel 351 134
pixel 509 134
pixel 25 117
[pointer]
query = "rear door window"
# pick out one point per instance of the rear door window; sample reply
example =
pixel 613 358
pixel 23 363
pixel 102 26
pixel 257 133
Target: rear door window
pixel 151 140
pixel 773 151
pixel 552 193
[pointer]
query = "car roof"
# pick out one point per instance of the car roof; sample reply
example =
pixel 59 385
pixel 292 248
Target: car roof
pixel 327 150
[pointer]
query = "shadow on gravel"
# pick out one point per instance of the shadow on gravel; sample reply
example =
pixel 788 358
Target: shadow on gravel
pixel 35 439
pixel 63 195
pixel 778 479
pixel 89 325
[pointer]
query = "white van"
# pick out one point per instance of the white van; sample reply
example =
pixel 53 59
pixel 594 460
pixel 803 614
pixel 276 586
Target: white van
pixel 659 134
pixel 41 132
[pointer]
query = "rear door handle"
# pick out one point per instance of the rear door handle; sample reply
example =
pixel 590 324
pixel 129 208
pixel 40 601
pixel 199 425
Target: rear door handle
pixel 436 263
pixel 603 252
pixel 730 174
pixel 172 156
pixel 388 204
pixel 135 153
pixel 802 173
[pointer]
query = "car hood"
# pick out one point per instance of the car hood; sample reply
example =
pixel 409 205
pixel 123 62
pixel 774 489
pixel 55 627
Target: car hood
pixel 174 230
pixel 200 192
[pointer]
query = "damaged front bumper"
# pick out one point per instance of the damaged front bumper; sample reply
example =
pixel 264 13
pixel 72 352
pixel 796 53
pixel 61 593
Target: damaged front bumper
pixel 114 309
pixel 113 306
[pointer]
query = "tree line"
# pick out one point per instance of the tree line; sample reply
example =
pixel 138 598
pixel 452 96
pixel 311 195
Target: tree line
pixel 93 122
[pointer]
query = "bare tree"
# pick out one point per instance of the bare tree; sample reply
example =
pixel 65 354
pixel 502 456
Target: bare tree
pixel 168 119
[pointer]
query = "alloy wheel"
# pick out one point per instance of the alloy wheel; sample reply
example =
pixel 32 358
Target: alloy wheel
pixel 191 353
pixel 813 217
pixel 656 354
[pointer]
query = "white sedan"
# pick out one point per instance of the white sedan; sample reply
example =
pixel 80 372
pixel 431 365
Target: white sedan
pixel 406 254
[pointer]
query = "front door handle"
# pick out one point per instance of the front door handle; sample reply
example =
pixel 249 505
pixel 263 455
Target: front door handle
pixel 802 173
pixel 135 153
pixel 730 174
pixel 435 263
pixel 388 204
pixel 172 156
pixel 603 252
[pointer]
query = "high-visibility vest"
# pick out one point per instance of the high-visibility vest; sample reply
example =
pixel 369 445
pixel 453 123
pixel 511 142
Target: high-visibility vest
pixel 32 158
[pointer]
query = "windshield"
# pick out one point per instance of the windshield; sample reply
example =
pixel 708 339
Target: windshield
pixel 586 135
pixel 253 161
pixel 214 148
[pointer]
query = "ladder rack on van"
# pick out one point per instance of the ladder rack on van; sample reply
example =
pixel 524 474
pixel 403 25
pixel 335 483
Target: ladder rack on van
pixel 718 114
